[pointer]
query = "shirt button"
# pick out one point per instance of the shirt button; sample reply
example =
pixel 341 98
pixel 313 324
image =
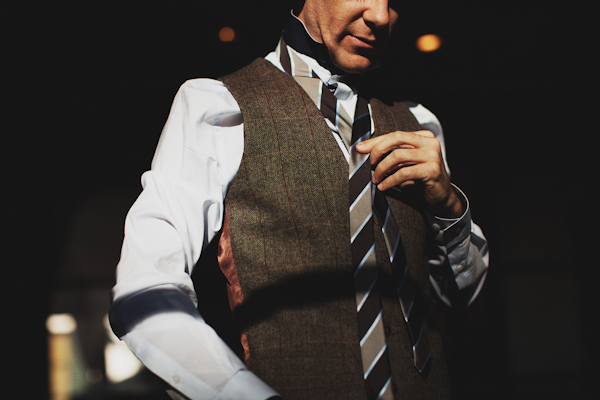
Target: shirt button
pixel 460 268
pixel 435 227
pixel 176 378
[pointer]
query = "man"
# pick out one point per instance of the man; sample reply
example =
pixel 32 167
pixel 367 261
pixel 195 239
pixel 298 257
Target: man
pixel 253 190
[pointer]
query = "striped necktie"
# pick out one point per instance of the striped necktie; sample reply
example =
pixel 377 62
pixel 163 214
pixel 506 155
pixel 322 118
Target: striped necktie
pixel 364 198
pixel 375 360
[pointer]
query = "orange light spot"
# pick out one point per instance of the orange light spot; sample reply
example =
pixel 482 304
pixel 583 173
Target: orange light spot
pixel 226 34
pixel 428 43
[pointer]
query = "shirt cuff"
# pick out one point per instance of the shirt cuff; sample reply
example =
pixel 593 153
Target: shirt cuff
pixel 451 231
pixel 244 385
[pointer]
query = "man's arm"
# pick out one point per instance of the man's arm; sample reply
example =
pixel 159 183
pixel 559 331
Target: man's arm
pixel 178 213
pixel 415 161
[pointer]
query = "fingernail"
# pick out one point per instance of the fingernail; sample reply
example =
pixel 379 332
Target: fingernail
pixel 360 145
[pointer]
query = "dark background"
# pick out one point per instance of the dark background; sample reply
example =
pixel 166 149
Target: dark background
pixel 90 86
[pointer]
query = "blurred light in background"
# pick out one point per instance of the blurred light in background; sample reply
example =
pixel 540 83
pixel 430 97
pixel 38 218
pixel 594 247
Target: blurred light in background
pixel 121 363
pixel 61 324
pixel 429 43
pixel 226 34
pixel 64 356
pixel 69 376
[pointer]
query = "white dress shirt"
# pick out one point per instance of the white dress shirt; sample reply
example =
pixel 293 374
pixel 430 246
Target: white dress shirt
pixel 181 209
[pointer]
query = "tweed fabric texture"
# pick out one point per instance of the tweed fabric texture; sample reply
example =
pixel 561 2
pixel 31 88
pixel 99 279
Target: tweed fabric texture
pixel 289 232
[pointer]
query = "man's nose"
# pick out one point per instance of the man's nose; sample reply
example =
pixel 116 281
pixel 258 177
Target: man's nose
pixel 377 13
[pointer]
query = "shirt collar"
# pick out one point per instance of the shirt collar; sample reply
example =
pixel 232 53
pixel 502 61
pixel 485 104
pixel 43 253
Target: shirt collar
pixel 312 68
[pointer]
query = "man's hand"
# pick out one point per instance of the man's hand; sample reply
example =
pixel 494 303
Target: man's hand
pixel 413 160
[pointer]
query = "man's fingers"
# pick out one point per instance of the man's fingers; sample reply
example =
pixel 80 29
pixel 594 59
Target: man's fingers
pixel 402 158
pixel 366 145
pixel 429 173
pixel 380 146
pixel 403 177
pixel 427 134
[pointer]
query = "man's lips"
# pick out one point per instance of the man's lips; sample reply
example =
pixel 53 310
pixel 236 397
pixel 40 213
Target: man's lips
pixel 363 42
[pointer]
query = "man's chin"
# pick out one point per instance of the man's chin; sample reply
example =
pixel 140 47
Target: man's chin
pixel 353 63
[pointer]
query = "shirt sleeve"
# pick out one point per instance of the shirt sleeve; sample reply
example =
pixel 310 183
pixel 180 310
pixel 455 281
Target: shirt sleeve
pixel 177 214
pixel 457 251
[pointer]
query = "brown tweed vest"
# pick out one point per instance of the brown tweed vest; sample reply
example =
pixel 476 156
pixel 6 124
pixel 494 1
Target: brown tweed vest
pixel 289 272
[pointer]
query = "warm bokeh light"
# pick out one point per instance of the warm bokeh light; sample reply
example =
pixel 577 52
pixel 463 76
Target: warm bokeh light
pixel 226 34
pixel 121 364
pixel 61 355
pixel 61 324
pixel 428 43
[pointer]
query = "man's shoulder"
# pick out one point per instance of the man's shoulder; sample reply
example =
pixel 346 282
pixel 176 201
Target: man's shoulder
pixel 257 68
pixel 206 85
pixel 198 89
pixel 257 78
pixel 204 96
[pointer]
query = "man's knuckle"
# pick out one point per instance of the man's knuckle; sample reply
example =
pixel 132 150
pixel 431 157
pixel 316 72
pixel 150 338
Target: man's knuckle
pixel 398 135
pixel 432 154
pixel 396 155
pixel 432 170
